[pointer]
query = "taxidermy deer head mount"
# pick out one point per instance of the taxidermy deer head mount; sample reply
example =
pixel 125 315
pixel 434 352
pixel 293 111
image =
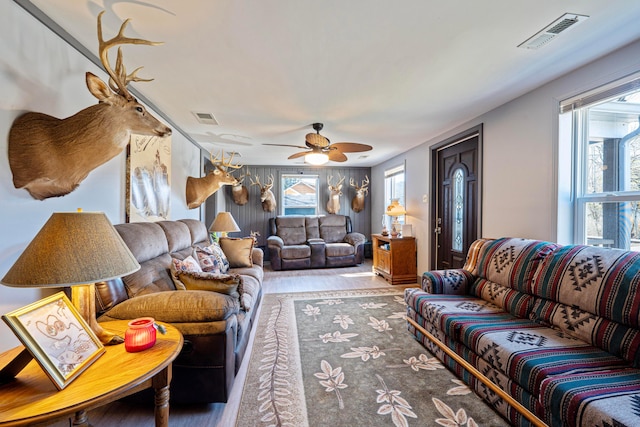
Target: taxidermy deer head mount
pixel 357 203
pixel 239 191
pixel 267 197
pixel 333 205
pixel 49 157
pixel 199 189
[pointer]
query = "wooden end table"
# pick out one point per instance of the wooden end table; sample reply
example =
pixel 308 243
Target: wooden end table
pixel 33 398
pixel 394 258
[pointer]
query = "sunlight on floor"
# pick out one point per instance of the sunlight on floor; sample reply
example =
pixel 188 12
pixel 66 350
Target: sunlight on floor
pixel 363 274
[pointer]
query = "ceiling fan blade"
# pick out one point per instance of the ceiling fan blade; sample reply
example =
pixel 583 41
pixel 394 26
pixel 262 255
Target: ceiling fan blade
pixel 316 140
pixel 351 147
pixel 287 145
pixel 301 154
pixel 336 156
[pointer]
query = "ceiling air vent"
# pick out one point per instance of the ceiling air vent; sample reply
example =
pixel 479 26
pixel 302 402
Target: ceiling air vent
pixel 551 31
pixel 206 118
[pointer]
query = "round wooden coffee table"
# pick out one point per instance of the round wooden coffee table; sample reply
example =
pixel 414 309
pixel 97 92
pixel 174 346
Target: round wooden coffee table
pixel 33 398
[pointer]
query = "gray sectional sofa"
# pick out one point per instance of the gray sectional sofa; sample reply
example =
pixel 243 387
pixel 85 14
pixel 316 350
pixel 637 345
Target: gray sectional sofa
pixel 298 241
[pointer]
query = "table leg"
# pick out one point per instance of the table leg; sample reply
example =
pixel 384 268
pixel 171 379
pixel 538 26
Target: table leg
pixel 161 386
pixel 81 419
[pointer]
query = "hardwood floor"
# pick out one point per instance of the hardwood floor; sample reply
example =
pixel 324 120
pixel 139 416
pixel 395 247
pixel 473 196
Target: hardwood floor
pixel 128 414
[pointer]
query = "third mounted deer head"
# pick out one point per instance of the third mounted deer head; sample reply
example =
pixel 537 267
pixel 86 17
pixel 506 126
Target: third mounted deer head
pixel 333 205
pixel 362 190
pixel 267 197
pixel 49 157
pixel 239 191
pixel 199 189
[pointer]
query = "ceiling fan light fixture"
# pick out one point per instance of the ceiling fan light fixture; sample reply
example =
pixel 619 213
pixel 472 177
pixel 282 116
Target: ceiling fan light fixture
pixel 316 159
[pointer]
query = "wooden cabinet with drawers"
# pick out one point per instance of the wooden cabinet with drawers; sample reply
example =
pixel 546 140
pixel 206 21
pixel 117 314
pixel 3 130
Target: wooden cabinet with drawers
pixel 394 258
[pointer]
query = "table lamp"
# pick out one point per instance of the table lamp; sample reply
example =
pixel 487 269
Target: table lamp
pixel 395 209
pixel 75 249
pixel 223 224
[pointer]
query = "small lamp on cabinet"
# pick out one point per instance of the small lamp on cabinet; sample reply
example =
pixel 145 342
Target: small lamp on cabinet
pixel 394 210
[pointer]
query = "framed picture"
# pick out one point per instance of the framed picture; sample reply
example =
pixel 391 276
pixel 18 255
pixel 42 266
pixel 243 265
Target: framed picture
pixel 407 230
pixel 57 337
pixel 148 190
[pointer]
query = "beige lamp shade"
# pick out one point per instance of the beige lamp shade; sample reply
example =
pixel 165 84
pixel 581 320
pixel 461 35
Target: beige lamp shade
pixel 395 208
pixel 224 223
pixel 72 248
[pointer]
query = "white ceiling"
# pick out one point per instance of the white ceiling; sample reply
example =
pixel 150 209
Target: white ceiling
pixel 389 74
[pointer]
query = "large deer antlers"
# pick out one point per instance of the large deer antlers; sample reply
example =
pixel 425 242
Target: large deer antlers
pixel 338 186
pixel 119 79
pixel 364 187
pixel 221 164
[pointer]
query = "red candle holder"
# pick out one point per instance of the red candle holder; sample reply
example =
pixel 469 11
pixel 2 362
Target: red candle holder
pixel 141 334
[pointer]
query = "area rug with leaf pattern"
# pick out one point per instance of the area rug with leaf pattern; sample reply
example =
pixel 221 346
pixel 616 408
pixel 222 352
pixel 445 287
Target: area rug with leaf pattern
pixel 345 358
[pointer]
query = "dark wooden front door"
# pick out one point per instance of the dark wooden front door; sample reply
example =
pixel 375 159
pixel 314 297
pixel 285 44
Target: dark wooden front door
pixel 456 167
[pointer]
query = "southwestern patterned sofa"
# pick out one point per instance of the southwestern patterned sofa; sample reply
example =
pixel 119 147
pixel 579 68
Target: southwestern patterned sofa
pixel 556 327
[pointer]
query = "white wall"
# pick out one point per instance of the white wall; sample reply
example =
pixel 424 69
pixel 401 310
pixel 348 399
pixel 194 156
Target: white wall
pixel 40 72
pixel 520 196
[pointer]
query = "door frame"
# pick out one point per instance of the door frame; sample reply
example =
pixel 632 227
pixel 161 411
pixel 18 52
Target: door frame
pixel 433 215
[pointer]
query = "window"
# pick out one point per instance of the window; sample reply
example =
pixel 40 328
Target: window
pixel 458 185
pixel 300 194
pixel 606 154
pixel 394 189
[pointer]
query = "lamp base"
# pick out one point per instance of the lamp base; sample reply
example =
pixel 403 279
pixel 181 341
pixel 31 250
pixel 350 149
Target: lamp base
pixel 395 227
pixel 83 298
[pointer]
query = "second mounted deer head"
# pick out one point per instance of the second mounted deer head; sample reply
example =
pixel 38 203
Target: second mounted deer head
pixel 335 191
pixel 239 191
pixel 362 190
pixel 267 197
pixel 333 205
pixel 49 157
pixel 199 189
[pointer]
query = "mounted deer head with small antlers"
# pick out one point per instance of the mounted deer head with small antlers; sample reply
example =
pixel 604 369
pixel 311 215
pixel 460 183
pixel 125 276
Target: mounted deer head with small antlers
pixel 267 197
pixel 333 205
pixel 199 189
pixel 49 157
pixel 239 191
pixel 357 203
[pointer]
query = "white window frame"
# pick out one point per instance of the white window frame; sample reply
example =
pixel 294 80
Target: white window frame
pixel 577 107
pixel 391 192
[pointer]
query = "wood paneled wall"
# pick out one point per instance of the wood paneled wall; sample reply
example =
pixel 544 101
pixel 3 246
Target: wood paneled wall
pixel 251 217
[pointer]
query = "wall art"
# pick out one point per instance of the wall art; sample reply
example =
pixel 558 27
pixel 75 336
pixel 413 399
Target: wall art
pixel 148 179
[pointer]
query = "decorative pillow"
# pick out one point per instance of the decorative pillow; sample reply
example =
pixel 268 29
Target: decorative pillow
pixel 177 265
pixel 208 262
pixel 215 250
pixel 228 284
pixel 238 251
pixel 187 264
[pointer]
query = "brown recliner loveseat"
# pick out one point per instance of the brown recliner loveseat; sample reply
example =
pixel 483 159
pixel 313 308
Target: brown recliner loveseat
pixel 215 326
pixel 299 241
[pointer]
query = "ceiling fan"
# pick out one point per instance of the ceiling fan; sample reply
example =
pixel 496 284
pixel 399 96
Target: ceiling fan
pixel 320 150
